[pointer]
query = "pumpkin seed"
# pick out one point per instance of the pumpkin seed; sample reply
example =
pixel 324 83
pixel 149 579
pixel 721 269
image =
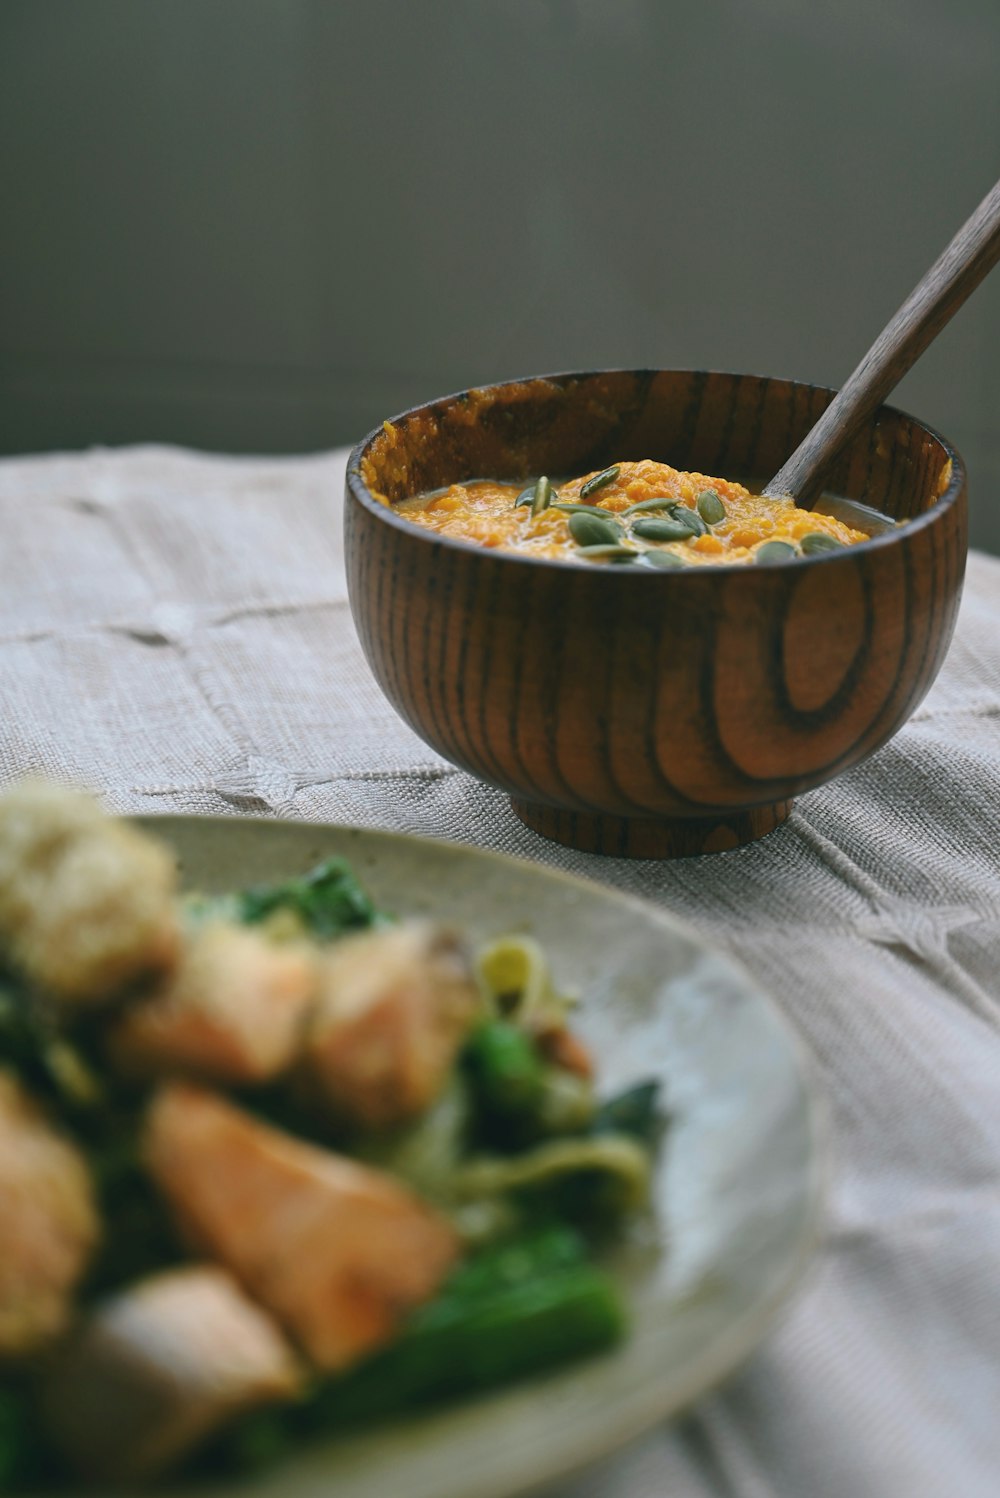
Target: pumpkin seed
pixel 609 553
pixel 651 529
pixel 818 541
pixel 666 559
pixel 689 518
pixel 775 551
pixel 543 495
pixel 662 503
pixel 595 530
pixel 525 497
pixel 607 476
pixel 710 507
pixel 571 509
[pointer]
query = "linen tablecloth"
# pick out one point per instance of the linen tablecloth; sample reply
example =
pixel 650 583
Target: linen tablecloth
pixel 174 631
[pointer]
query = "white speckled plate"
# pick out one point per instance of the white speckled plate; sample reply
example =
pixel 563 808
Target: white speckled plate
pixel 737 1191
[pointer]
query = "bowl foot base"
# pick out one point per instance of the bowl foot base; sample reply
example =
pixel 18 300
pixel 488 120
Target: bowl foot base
pixel 652 837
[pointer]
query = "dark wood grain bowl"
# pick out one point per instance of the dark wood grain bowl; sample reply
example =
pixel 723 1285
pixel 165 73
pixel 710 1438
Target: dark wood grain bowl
pixel 652 713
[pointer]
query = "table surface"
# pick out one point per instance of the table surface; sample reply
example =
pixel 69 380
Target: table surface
pixel 174 631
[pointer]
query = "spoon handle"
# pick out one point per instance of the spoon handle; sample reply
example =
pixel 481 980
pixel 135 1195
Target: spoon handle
pixel 956 273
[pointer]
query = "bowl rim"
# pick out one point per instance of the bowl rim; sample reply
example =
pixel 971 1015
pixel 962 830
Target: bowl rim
pixel 359 490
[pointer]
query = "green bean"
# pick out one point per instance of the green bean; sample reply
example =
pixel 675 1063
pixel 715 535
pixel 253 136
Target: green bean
pixel 514 1314
pixel 524 1305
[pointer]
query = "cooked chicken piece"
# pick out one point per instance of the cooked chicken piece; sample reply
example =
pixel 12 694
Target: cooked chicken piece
pixel 160 1367
pixel 86 903
pixel 48 1222
pixel 234 1012
pixel 394 1007
pixel 338 1252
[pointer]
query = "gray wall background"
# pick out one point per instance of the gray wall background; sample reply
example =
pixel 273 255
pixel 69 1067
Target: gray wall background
pixel 263 225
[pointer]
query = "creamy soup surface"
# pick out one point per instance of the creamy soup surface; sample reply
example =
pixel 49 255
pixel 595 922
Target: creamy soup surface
pixel 642 512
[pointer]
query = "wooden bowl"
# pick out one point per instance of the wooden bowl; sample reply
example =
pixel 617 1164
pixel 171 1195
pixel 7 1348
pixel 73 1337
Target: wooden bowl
pixel 652 713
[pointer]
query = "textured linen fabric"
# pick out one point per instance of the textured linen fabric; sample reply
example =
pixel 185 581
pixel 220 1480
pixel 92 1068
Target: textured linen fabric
pixel 174 631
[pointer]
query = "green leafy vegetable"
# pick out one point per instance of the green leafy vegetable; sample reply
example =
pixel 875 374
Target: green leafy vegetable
pixel 25 1453
pixel 517 1096
pixel 55 1069
pixel 255 1443
pixel 103 1117
pixel 143 1239
pixel 329 901
pixel 12 1439
pixel 635 1112
pixel 20 1045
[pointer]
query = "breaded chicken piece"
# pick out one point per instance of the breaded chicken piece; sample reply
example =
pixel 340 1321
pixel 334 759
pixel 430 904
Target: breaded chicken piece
pixel 48 1223
pixel 233 1012
pixel 394 1008
pixel 86 903
pixel 160 1367
pixel 338 1252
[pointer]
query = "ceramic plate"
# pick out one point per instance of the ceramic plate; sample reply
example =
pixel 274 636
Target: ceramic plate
pixel 737 1189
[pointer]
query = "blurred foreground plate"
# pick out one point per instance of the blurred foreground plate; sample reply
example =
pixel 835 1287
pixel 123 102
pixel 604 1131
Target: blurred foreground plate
pixel 737 1189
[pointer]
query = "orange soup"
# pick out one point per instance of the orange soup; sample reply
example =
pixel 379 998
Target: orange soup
pixel 644 512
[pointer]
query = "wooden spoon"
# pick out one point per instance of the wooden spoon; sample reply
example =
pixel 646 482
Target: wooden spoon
pixel 953 276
